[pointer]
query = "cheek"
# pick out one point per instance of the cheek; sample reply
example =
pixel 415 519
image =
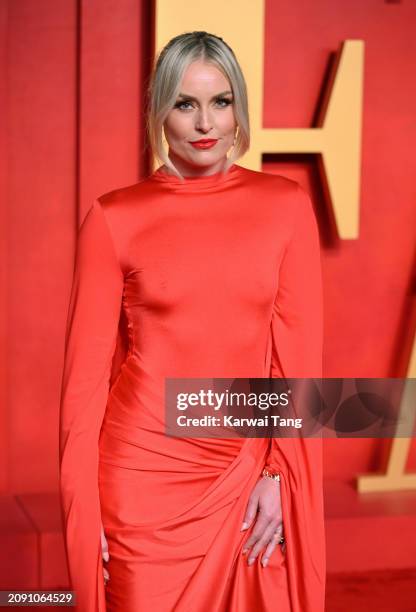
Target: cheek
pixel 227 124
pixel 176 128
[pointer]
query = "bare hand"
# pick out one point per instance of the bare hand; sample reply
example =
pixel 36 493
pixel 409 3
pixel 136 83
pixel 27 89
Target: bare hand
pixel 105 555
pixel 265 498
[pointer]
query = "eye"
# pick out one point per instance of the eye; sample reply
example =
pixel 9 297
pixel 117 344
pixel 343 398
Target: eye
pixel 187 104
pixel 226 101
pixel 181 103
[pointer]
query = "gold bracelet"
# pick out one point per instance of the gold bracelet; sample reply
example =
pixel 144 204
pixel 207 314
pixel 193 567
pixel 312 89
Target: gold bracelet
pixel 275 476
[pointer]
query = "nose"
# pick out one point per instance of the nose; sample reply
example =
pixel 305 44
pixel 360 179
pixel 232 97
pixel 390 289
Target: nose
pixel 203 120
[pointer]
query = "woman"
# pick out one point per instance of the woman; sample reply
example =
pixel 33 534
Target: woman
pixel 216 270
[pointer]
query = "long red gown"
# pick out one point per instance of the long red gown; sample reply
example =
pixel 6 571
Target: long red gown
pixel 216 276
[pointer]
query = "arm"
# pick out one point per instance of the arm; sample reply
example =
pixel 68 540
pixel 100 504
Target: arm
pixel 90 341
pixel 296 330
pixel 297 317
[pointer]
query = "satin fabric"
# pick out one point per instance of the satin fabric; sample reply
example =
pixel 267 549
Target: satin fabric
pixel 215 276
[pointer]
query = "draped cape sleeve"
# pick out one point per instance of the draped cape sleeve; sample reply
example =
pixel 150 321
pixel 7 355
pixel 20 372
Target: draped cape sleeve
pixel 297 338
pixel 90 341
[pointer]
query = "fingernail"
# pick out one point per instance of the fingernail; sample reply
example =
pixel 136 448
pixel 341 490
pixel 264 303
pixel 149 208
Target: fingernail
pixel 106 556
pixel 265 562
pixel 244 526
pixel 245 550
pixel 250 561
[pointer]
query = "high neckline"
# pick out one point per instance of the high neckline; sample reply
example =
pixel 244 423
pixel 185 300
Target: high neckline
pixel 217 179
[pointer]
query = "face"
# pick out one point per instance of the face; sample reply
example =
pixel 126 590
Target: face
pixel 203 110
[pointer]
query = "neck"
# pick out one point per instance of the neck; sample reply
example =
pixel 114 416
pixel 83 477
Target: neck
pixel 192 170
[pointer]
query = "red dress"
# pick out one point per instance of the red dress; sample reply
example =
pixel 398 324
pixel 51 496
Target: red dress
pixel 218 276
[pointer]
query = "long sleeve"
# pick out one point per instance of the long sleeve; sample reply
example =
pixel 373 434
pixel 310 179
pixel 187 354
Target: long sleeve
pixel 91 335
pixel 297 339
pixel 297 316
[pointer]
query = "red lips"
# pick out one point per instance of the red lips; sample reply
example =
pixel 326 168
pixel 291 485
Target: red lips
pixel 204 143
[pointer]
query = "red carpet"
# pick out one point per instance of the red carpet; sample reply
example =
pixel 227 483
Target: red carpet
pixel 379 591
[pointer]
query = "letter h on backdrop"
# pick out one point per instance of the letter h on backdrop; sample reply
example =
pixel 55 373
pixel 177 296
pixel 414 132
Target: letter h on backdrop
pixel 336 139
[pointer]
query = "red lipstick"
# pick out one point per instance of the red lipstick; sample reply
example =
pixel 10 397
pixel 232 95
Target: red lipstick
pixel 204 143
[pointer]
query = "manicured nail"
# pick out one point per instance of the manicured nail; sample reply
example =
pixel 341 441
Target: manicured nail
pixel 106 556
pixel 265 562
pixel 244 526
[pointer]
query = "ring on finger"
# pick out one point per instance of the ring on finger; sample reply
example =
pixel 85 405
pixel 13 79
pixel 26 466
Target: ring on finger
pixel 282 538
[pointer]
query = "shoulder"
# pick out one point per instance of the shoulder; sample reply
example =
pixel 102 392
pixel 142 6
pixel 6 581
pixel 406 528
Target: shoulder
pixel 125 195
pixel 276 182
pixel 115 211
pixel 278 193
pixel 276 190
pixel 120 206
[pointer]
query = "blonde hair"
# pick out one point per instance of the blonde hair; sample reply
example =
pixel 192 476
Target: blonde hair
pixel 165 81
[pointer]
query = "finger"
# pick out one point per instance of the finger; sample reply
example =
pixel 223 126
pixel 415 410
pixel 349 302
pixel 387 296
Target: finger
pixel 270 548
pixel 106 575
pixel 262 523
pixel 250 513
pixel 258 532
pixel 104 546
pixel 283 544
pixel 261 543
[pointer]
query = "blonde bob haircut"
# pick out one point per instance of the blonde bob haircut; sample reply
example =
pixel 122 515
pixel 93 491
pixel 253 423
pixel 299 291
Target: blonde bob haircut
pixel 165 82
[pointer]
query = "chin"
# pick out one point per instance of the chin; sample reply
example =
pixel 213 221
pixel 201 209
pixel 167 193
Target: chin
pixel 202 163
pixel 207 159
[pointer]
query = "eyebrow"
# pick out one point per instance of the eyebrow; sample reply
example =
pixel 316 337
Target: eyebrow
pixel 223 93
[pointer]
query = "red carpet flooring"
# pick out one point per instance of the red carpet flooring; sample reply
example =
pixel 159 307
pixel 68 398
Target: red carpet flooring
pixel 375 591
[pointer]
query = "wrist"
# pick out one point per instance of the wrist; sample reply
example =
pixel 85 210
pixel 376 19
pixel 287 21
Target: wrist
pixel 269 472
